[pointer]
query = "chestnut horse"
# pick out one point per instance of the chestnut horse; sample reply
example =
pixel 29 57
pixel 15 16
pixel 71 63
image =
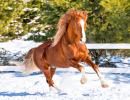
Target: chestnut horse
pixel 67 50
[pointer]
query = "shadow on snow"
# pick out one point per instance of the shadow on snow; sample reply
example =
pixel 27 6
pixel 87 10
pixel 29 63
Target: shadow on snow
pixel 26 94
pixel 19 94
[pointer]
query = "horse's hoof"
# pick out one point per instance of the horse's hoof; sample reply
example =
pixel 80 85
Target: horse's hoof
pixel 105 85
pixel 60 91
pixel 83 81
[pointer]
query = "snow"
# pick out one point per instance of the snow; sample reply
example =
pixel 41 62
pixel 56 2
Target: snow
pixel 19 45
pixel 122 60
pixel 15 86
pixel 88 69
pixel 127 60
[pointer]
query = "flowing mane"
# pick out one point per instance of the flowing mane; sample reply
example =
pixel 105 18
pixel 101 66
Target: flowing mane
pixel 62 26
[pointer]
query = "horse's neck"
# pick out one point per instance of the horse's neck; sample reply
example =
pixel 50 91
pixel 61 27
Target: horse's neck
pixel 70 36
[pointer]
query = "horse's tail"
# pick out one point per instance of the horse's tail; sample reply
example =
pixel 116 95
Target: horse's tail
pixel 29 65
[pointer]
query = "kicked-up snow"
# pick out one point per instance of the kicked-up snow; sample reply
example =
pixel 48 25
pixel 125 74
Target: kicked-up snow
pixel 14 86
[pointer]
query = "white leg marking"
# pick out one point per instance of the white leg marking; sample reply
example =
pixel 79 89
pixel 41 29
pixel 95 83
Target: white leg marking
pixel 53 67
pixel 50 88
pixel 83 31
pixel 103 82
pixel 84 77
pixel 59 90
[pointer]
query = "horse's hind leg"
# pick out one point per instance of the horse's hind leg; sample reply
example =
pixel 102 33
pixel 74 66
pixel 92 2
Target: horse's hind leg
pixel 52 72
pixel 46 71
pixel 43 66
pixel 95 67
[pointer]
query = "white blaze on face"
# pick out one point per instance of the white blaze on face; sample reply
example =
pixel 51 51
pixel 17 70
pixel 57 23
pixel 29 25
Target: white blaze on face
pixel 83 31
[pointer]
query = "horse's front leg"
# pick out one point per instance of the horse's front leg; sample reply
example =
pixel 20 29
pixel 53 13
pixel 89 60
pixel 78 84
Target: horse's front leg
pixel 95 67
pixel 74 64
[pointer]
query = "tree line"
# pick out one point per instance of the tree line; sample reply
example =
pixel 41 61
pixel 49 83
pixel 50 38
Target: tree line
pixel 108 20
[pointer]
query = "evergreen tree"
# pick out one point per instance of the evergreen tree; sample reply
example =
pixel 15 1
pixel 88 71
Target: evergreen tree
pixel 10 10
pixel 118 18
pixel 108 23
pixel 17 18
pixel 50 13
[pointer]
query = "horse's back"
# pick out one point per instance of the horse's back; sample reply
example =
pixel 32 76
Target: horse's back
pixel 39 51
pixel 43 46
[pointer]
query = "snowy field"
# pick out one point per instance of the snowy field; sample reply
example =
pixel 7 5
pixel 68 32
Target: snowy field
pixel 14 86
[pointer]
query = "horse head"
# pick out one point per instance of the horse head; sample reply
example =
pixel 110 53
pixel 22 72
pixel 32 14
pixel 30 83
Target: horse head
pixel 79 26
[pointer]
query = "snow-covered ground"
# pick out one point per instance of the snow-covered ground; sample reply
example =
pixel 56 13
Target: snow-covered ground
pixel 14 86
pixel 19 45
pixel 122 61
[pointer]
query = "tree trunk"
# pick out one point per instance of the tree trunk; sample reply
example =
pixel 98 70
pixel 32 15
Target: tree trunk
pixel 97 60
pixel 96 54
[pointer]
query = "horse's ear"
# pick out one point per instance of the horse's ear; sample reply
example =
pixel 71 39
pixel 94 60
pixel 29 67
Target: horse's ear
pixel 75 14
pixel 85 14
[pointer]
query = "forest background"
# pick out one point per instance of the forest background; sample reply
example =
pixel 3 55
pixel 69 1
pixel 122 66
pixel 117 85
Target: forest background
pixel 108 21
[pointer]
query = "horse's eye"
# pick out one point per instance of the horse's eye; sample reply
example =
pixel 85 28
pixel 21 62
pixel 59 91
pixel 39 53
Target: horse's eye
pixel 77 25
